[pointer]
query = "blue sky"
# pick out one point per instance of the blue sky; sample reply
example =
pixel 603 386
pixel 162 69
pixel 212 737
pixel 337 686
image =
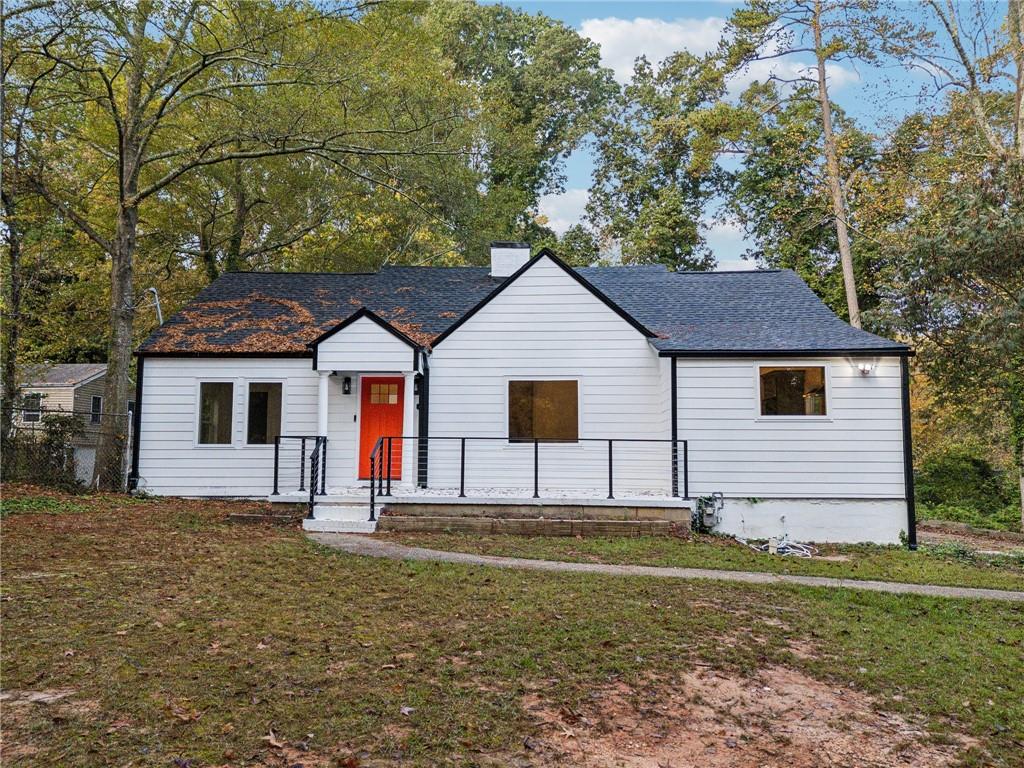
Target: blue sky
pixel 626 30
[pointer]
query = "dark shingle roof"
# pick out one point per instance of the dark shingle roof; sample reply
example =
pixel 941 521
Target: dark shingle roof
pixel 59 374
pixel 246 312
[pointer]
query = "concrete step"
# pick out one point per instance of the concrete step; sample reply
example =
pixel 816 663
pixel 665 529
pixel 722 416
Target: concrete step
pixel 341 518
pixel 530 527
pixel 339 526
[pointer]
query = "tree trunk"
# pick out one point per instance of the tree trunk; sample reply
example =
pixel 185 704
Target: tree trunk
pixel 12 322
pixel 233 262
pixel 834 179
pixel 108 471
pixel 1015 22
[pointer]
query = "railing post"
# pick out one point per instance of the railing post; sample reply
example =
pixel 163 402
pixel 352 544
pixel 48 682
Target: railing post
pixel 277 457
pixel 536 469
pixel 388 492
pixel 686 469
pixel 380 471
pixel 373 464
pixel 675 467
pixel 323 465
pixel 302 464
pixel 611 495
pixel 462 468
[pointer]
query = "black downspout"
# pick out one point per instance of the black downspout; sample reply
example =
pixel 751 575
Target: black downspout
pixel 675 429
pixel 133 478
pixel 424 426
pixel 908 454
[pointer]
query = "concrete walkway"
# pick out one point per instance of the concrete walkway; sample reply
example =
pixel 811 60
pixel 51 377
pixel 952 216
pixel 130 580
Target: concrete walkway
pixel 363 545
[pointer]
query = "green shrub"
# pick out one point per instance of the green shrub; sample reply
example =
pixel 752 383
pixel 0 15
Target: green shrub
pixel 961 476
pixel 1005 518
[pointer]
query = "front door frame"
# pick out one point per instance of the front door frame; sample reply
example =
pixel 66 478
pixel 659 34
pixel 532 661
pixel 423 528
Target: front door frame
pixel 361 379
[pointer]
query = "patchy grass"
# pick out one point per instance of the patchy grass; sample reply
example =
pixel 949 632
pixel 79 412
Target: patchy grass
pixel 932 564
pixel 151 631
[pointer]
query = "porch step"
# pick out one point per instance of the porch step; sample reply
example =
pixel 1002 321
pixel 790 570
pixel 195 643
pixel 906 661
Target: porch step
pixel 341 518
pixel 529 527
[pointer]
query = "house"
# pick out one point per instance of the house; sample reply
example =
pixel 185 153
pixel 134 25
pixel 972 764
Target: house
pixel 531 382
pixel 68 388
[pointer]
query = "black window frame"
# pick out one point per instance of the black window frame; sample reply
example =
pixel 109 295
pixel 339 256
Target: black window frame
pixel 95 416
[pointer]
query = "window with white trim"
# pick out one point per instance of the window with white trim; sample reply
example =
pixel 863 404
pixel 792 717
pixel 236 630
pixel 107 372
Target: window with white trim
pixel 264 418
pixel 543 410
pixel 32 407
pixel 793 390
pixel 215 423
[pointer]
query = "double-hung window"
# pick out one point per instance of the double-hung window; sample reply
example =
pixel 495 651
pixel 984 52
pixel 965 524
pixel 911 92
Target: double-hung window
pixel 96 410
pixel 264 417
pixel 545 410
pixel 32 407
pixel 215 422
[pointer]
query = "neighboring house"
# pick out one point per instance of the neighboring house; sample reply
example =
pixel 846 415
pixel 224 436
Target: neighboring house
pixel 742 384
pixel 65 387
pixel 76 388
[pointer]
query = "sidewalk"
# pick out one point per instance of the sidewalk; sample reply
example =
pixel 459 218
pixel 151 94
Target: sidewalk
pixel 362 545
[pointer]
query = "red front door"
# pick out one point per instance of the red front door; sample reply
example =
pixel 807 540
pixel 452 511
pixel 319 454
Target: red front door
pixel 382 406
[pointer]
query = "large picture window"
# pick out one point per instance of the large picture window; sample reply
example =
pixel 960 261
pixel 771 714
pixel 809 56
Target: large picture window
pixel 543 410
pixel 793 391
pixel 215 412
pixel 264 422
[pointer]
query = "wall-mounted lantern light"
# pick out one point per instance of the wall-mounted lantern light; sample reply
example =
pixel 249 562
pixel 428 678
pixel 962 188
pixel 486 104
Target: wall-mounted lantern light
pixel 346 385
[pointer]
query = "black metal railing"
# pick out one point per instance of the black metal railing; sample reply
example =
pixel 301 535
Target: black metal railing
pixel 290 468
pixel 383 456
pixel 317 472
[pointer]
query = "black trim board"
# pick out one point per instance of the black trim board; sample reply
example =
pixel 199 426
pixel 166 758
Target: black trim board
pixel 133 478
pixel 862 352
pixel 908 454
pixel 545 252
pixel 674 394
pixel 226 353
pixel 357 315
pixel 423 445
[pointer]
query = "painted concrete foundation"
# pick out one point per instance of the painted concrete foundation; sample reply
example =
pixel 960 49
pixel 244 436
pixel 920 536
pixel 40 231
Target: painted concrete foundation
pixel 848 521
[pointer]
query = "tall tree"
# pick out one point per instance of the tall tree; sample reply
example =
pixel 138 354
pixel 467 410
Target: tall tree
pixel 172 88
pixel 650 187
pixel 540 89
pixel 830 31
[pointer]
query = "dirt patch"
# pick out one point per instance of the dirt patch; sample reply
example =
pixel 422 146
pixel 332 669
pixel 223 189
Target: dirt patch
pixel 978 539
pixel 20 707
pixel 717 720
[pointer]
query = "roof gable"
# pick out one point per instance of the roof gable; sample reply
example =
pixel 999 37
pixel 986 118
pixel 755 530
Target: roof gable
pixel 60 374
pixel 545 253
pixel 369 315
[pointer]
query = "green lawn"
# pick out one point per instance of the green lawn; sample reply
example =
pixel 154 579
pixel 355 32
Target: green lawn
pixel 928 565
pixel 174 636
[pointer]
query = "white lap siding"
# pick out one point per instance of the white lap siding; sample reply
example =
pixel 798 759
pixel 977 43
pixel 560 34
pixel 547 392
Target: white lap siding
pixel 547 326
pixel 171 462
pixel 364 346
pixel 839 478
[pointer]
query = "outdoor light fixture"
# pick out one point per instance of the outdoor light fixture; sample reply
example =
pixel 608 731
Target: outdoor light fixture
pixel 346 385
pixel 865 368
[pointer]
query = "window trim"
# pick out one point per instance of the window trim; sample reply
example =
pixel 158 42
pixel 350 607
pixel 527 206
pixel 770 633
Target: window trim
pixel 546 377
pixel 799 419
pixel 95 417
pixel 37 413
pixel 197 415
pixel 245 411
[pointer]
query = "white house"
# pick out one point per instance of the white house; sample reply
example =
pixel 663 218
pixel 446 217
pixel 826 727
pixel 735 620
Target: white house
pixel 533 382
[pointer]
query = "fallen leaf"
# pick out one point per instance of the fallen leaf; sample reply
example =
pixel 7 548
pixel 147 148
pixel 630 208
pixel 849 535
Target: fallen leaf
pixel 271 739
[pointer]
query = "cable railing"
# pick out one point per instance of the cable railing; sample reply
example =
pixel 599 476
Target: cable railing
pixel 291 453
pixel 496 466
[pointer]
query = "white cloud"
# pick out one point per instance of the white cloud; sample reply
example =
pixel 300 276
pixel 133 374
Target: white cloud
pixel 564 210
pixel 726 241
pixel 622 41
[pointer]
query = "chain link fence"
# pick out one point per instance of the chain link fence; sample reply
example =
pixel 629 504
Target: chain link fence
pixel 60 449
